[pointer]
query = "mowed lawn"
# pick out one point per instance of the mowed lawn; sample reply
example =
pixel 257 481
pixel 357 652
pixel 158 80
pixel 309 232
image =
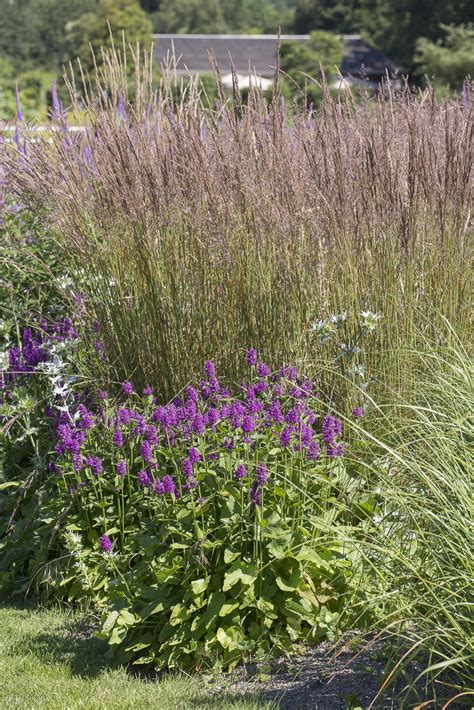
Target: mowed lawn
pixel 49 661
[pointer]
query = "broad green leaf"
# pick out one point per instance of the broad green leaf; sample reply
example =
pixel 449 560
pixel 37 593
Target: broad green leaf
pixel 200 585
pixel 228 608
pixel 230 556
pixel 224 640
pixel 125 618
pixel 110 621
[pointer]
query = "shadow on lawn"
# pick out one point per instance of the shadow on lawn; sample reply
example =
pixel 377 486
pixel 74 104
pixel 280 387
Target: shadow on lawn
pixel 71 642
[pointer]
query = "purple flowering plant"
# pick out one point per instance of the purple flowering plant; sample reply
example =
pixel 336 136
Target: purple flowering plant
pixel 212 498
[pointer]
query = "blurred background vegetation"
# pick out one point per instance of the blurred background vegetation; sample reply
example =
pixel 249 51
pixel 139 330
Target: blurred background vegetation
pixel 38 38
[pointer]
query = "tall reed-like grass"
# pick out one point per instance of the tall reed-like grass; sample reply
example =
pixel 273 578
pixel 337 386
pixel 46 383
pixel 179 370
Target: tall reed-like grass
pixel 202 230
pixel 418 554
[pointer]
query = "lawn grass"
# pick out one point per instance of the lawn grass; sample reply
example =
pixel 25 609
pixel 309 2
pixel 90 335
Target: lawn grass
pixel 46 663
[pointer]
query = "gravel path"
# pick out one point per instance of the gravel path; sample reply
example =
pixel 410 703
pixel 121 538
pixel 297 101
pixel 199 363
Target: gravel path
pixel 321 680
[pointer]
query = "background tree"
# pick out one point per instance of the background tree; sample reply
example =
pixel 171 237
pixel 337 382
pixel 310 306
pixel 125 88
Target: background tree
pixel 395 25
pixel 451 60
pixel 189 16
pixel 331 15
pixel 112 17
pixel 324 51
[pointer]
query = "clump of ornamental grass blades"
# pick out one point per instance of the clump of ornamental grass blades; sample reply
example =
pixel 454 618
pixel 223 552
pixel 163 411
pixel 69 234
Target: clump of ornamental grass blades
pixel 195 231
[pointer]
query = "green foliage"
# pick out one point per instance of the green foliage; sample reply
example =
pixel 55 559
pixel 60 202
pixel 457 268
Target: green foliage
pixel 395 25
pixel 303 62
pixel 32 285
pixel 96 30
pixel 449 61
pixel 33 35
pixel 189 16
pixel 328 15
pixel 219 16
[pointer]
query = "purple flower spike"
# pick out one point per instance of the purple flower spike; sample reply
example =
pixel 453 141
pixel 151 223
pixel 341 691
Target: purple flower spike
pixel 262 474
pixel 121 468
pixel 19 112
pixel 251 357
pixel 331 428
pixel 144 479
pixel 169 485
pixel 95 463
pixel 256 494
pixel 313 451
pixel 285 436
pixel 199 424
pixel 210 370
pixel 187 468
pixel 248 424
pixel 194 455
pixel 240 472
pixel 146 451
pixel 127 388
pixel 118 439
pixel 263 370
pixel 147 391
pixel 105 544
pixel 358 412
pixel 335 450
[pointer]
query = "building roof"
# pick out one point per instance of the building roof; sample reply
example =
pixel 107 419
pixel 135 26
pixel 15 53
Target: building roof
pixel 257 53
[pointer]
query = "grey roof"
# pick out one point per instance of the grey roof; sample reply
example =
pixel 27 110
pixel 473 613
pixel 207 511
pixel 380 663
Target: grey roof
pixel 258 53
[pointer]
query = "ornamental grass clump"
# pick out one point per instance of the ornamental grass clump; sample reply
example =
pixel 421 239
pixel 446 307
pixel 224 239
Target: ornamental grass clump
pixel 198 230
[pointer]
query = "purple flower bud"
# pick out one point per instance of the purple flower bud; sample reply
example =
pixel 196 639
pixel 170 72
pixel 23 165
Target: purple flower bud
pixel 194 455
pixel 251 357
pixel 263 370
pixel 187 468
pixel 240 472
pixel 121 468
pixel 118 438
pixel 145 479
pixel 210 370
pixel 147 391
pixel 102 394
pixel 127 388
pixel 358 412
pixel 105 544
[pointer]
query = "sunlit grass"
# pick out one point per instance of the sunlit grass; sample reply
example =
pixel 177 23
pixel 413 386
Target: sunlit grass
pixel 48 661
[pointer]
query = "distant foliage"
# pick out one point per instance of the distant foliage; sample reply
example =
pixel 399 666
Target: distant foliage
pixel 451 60
pixel 303 63
pixel 98 29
